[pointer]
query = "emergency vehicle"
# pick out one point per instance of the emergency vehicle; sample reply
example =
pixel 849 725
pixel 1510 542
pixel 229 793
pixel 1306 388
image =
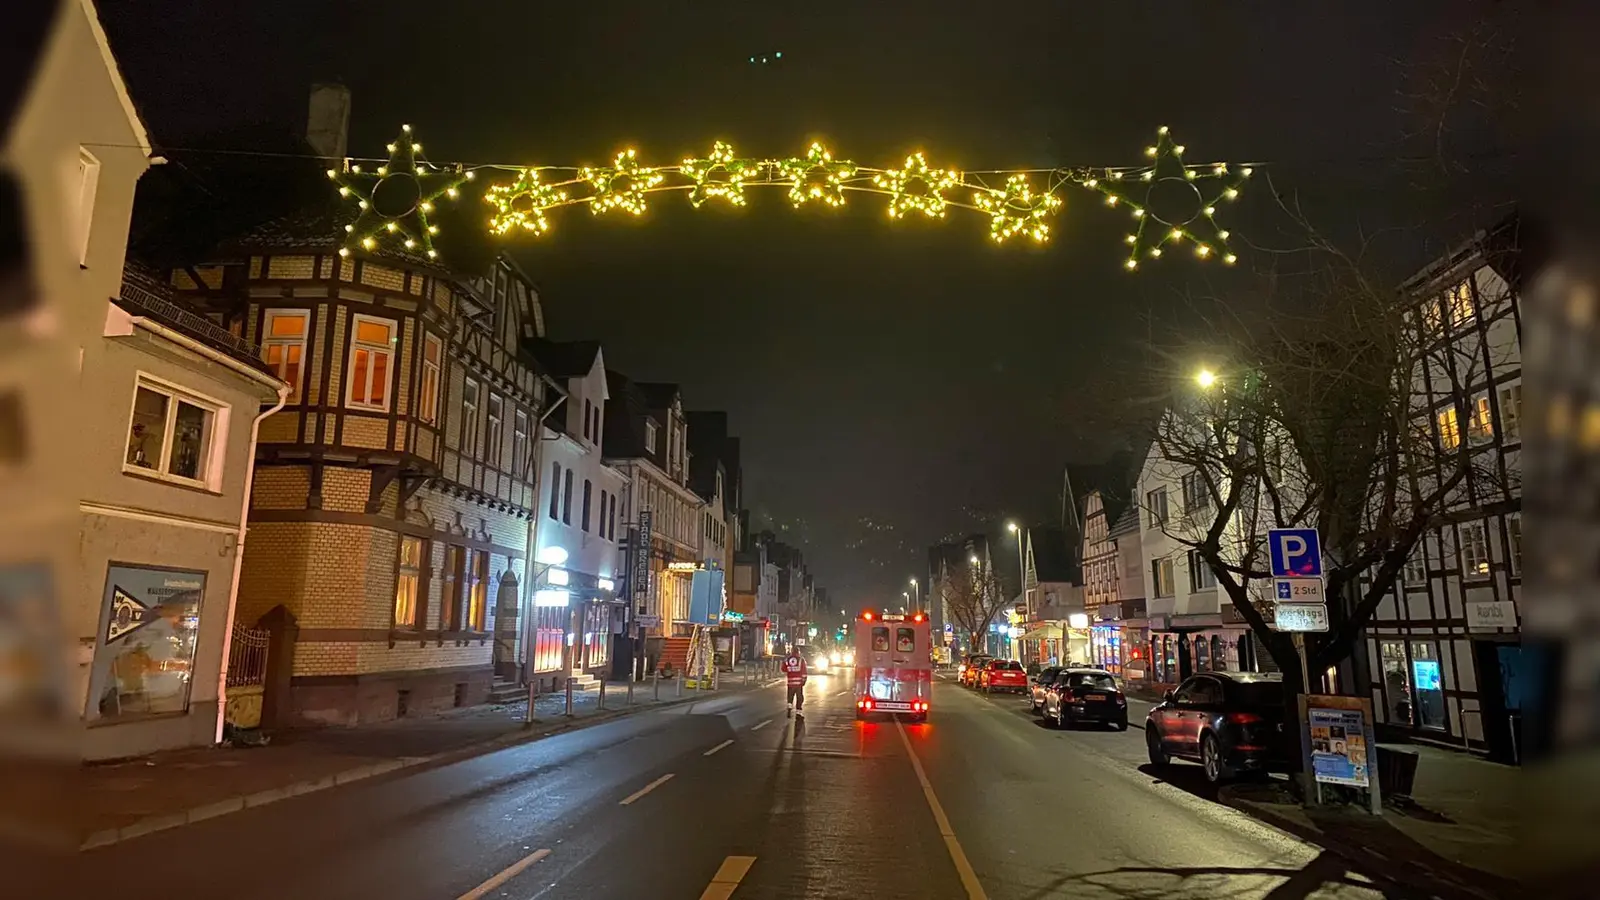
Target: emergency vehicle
pixel 894 664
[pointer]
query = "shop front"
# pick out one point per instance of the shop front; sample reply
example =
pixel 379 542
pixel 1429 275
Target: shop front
pixel 1117 641
pixel 1180 646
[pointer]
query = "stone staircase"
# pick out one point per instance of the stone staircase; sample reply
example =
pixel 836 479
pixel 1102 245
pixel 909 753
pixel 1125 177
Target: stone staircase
pixel 506 690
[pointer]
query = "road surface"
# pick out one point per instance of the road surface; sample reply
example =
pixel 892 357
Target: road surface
pixel 729 798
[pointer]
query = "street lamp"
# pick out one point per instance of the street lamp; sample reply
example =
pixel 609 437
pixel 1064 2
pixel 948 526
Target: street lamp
pixel 1206 379
pixel 916 593
pixel 1022 567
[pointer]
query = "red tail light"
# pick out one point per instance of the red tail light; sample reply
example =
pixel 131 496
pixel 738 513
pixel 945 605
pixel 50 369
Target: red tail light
pixel 917 617
pixel 1243 718
pixel 866 703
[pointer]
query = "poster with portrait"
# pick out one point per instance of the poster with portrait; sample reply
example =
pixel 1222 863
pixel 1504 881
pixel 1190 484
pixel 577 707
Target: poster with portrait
pixel 144 655
pixel 1338 746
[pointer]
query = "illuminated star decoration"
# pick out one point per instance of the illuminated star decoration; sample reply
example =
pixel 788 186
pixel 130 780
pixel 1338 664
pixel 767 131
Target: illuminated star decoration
pixel 1017 210
pixel 623 186
pixel 1158 227
pixel 521 204
pixel 934 182
pixel 396 199
pixel 736 170
pixel 804 175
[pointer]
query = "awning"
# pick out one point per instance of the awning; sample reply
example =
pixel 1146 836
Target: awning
pixel 1044 633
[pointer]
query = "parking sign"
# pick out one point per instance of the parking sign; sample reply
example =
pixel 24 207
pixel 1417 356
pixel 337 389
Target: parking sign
pixel 1295 552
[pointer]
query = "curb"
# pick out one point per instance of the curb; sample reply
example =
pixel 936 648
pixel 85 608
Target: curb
pixel 1401 873
pixel 241 802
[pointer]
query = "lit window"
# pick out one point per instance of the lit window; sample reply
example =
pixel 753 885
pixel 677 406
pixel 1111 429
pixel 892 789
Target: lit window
pixel 1511 411
pixel 283 346
pixel 173 435
pixel 371 362
pixel 408 583
pixel 1474 550
pixel 649 437
pixel 1460 301
pixel 1449 429
pixel 428 389
pixel 1482 424
pixel 478 593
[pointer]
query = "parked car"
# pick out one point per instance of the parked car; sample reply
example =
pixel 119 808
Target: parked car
pixel 1003 675
pixel 1083 694
pixel 1038 684
pixel 1229 722
pixel 971 667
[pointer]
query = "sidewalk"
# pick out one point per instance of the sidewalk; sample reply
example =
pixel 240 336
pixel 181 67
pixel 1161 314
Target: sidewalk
pixel 1466 834
pixel 79 807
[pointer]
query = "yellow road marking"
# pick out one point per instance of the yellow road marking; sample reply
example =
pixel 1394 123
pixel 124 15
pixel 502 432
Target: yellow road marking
pixel 505 875
pixel 729 874
pixel 717 747
pixel 646 789
pixel 969 878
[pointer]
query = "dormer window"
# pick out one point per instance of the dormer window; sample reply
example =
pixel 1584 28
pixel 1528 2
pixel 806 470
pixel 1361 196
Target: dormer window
pixel 649 437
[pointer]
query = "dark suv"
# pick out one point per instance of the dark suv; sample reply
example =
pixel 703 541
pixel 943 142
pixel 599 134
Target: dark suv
pixel 1229 722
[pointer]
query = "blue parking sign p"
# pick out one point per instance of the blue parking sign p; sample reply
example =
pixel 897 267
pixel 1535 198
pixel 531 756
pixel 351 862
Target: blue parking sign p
pixel 1295 552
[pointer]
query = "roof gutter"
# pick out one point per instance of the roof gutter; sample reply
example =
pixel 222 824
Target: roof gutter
pixel 210 353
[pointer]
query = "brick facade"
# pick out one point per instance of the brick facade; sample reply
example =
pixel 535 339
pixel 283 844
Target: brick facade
pixel 340 485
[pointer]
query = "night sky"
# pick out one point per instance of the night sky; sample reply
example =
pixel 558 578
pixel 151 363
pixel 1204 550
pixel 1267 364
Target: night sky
pixel 893 382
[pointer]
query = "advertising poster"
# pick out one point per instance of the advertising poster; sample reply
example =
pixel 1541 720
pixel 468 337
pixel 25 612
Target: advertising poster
pixel 144 656
pixel 1339 746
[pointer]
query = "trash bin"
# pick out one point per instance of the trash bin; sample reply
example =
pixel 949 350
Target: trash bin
pixel 1397 771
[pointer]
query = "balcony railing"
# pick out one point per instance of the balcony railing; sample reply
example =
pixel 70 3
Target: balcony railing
pixel 143 295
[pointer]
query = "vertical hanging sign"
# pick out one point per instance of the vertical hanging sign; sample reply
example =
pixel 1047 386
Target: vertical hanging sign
pixel 641 556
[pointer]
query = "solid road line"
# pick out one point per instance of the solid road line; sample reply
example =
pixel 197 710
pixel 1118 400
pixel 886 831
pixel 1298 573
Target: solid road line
pixel 717 747
pixel 505 875
pixel 729 874
pixel 628 800
pixel 969 878
pixel 761 724
pixel 843 692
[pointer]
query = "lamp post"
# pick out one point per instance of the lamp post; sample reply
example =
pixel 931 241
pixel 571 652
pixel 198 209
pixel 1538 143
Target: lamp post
pixel 1022 567
pixel 916 595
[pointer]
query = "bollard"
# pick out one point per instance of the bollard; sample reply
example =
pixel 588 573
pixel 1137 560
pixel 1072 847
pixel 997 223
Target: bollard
pixel 655 682
pixel 630 688
pixel 570 681
pixel 602 693
pixel 679 680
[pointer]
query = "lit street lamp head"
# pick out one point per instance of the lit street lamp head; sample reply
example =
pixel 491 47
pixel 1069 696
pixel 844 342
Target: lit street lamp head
pixel 1205 378
pixel 1011 526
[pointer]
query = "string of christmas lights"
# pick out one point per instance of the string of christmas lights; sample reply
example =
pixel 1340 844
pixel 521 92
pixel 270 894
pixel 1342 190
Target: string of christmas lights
pixel 396 199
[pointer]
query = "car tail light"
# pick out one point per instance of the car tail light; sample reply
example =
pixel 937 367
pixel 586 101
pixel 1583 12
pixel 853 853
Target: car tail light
pixel 866 703
pixel 1243 718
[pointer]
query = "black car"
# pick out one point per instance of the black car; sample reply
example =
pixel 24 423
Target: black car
pixel 1229 722
pixel 1081 694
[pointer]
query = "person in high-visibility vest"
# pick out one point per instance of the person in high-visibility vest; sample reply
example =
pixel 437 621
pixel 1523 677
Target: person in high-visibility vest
pixel 794 667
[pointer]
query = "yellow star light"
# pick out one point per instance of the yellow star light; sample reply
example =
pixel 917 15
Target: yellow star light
pixel 817 177
pixel 521 204
pixel 1187 211
pixel 1017 210
pixel 900 183
pixel 736 170
pixel 396 199
pixel 623 186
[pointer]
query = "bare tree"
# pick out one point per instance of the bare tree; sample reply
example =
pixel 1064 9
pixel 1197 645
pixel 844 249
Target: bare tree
pixel 972 598
pixel 1340 404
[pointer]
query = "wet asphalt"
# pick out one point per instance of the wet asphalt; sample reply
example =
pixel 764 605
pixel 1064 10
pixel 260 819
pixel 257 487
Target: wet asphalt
pixel 729 797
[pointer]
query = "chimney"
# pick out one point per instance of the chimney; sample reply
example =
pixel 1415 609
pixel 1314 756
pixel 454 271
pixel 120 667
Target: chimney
pixel 328 120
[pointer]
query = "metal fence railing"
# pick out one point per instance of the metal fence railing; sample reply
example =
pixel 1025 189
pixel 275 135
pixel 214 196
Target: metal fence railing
pixel 247 656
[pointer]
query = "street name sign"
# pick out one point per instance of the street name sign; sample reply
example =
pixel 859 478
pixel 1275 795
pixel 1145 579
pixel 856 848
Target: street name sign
pixel 1300 617
pixel 1295 552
